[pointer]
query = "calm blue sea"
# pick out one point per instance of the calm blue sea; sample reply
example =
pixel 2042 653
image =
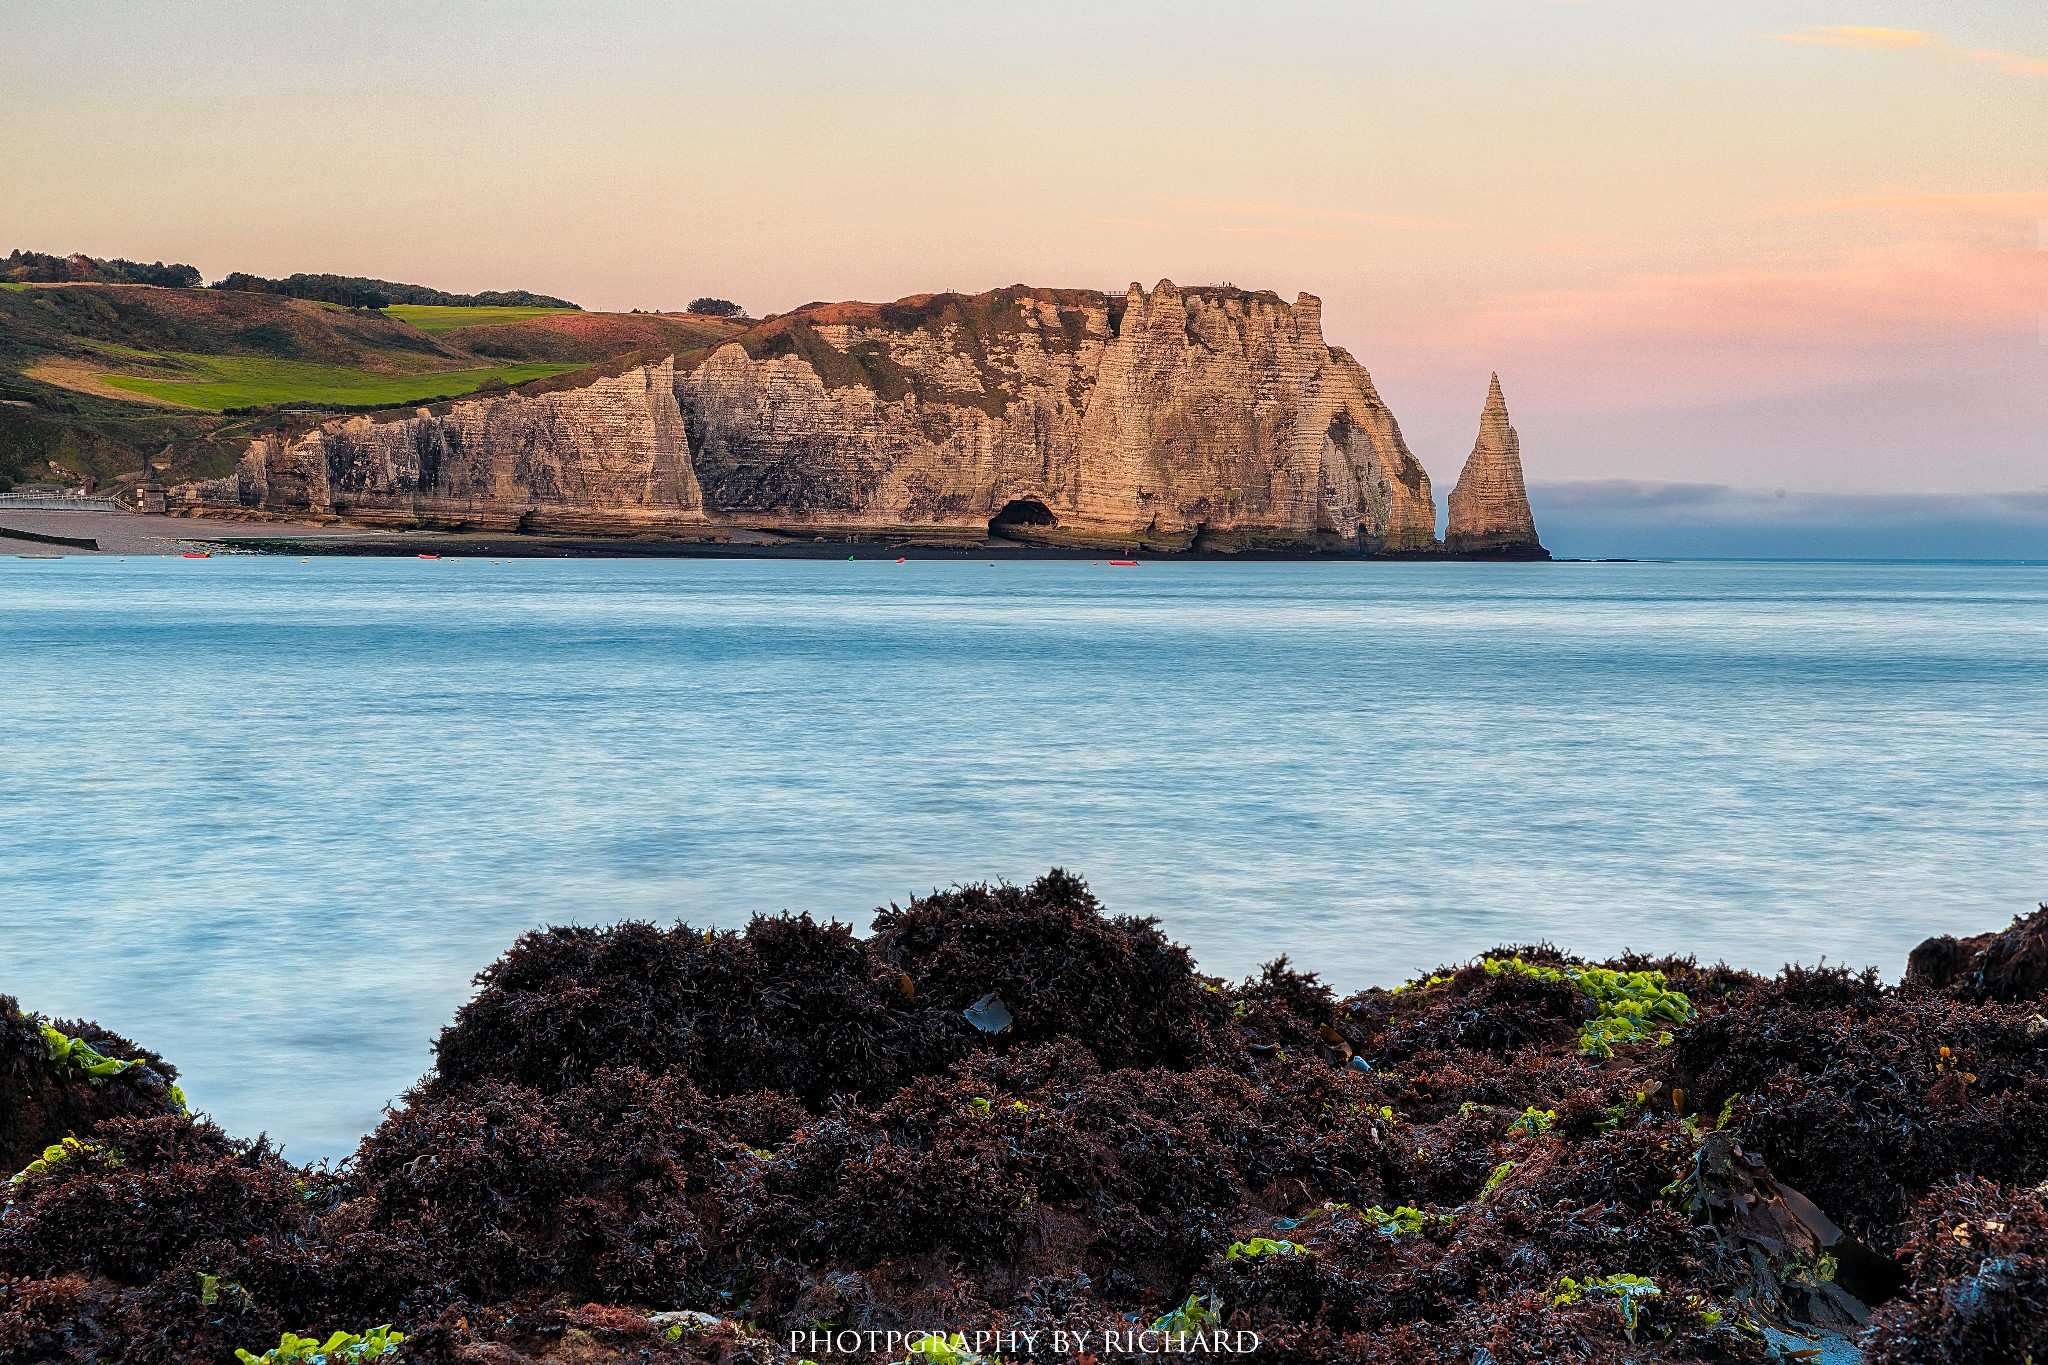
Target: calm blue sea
pixel 269 817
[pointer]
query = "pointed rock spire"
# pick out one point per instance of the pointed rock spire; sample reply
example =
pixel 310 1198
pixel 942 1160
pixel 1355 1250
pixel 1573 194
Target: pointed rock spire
pixel 1490 506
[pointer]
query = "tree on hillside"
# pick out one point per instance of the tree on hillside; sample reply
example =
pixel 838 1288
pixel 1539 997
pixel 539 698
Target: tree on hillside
pixel 36 267
pixel 716 308
pixel 355 291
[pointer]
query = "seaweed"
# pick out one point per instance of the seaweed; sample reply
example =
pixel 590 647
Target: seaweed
pixel 1253 1248
pixel 1629 1294
pixel 1978 1252
pixel 676 1145
pixel 57 1153
pixel 1630 1005
pixel 60 1078
pixel 342 1348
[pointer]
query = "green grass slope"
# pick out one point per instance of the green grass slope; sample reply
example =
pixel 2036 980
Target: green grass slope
pixel 222 382
pixel 432 318
pixel 96 377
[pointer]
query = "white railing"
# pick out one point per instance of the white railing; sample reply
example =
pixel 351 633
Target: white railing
pixel 57 502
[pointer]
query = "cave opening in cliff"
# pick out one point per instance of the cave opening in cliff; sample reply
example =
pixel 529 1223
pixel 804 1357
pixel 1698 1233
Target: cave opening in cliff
pixel 1021 514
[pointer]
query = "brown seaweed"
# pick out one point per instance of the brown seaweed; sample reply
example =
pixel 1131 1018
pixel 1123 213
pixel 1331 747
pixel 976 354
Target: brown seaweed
pixel 668 1145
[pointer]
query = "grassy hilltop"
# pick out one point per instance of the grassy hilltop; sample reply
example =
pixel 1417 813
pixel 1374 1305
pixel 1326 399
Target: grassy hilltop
pixel 97 375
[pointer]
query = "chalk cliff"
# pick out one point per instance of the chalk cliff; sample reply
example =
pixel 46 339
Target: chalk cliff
pixel 609 455
pixel 1206 417
pixel 1490 506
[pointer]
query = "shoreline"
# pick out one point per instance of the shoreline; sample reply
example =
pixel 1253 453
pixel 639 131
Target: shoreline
pixel 146 533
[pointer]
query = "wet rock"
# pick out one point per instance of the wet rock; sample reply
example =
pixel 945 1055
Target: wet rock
pixel 2005 966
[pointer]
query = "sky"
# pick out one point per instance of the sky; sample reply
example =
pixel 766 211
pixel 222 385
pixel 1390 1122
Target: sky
pixel 1726 243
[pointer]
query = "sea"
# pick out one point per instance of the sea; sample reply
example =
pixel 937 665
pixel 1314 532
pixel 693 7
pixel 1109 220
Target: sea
pixel 270 817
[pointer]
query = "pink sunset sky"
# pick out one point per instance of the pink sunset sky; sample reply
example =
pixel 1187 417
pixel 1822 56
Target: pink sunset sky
pixel 1742 243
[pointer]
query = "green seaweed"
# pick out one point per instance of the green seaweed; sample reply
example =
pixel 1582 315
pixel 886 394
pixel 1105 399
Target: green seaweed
pixel 1628 1002
pixel 343 1348
pixel 1493 1181
pixel 1256 1247
pixel 56 1154
pixel 1402 1219
pixel 1191 1316
pixel 934 1349
pixel 1534 1121
pixel 1618 1113
pixel 76 1057
pixel 1422 985
pixel 1628 1294
pixel 212 1288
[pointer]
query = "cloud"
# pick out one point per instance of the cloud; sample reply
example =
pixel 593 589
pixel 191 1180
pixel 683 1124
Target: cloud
pixel 1861 38
pixel 1692 500
pixel 1663 337
pixel 1640 518
pixel 2007 204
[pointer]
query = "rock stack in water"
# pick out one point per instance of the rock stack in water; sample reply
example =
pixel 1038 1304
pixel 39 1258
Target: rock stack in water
pixel 1490 506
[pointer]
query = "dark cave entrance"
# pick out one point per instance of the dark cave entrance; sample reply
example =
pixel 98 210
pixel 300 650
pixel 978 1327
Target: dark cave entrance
pixel 1021 514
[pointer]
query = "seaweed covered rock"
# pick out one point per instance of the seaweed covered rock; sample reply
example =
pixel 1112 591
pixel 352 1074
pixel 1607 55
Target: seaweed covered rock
pixel 2008 966
pixel 1865 1098
pixel 681 1147
pixel 1979 1258
pixel 790 1005
pixel 59 1078
pixel 151 1240
pixel 808 1010
pixel 1060 967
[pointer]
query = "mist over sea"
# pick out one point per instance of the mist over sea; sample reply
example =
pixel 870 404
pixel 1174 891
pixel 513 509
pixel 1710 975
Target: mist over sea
pixel 269 817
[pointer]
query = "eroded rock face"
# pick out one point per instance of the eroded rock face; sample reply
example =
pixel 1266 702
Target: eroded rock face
pixel 1222 413
pixel 609 455
pixel 1490 506
pixel 1198 417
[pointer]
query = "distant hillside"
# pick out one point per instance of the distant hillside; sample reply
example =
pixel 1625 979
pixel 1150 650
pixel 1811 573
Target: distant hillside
pixel 95 376
pixel 354 291
pixel 36 267
pixel 350 291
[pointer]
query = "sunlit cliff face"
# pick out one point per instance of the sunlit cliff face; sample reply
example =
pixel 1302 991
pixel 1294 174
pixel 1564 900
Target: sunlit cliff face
pixel 1697 242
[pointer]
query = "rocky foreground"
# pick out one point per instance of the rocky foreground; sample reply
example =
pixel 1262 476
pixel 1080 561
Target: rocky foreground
pixel 1007 1113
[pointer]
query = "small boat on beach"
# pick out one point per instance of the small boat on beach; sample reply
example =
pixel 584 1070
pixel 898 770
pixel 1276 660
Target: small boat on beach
pixel 198 554
pixel 430 556
pixel 1123 563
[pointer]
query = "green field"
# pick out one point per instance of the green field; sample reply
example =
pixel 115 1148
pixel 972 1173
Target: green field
pixel 17 288
pixel 243 382
pixel 429 318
